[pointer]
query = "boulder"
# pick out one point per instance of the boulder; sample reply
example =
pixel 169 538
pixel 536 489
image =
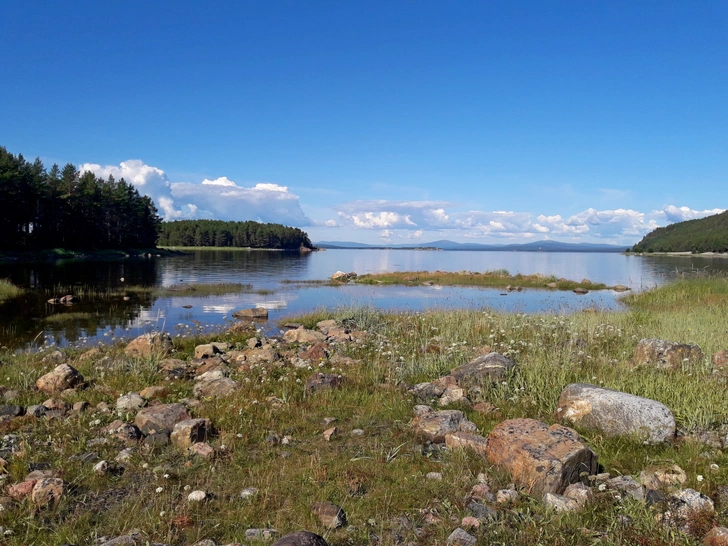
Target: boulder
pixel 301 538
pixel 540 458
pixel 483 370
pixel 302 335
pixel 666 354
pixel 717 536
pixel 157 344
pixel 666 477
pixel 256 313
pixel 190 431
pixel 436 425
pixel 61 378
pixel 160 417
pixel 340 276
pixel 560 503
pixel 616 413
pixel 207 350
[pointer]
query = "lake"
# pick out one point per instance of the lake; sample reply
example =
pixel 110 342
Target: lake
pixel 275 278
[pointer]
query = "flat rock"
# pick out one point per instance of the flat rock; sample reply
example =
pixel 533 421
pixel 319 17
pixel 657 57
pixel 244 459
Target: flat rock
pixel 483 370
pixel 207 350
pixel 616 413
pixel 329 514
pixel 61 378
pixel 462 440
pixel 435 425
pixel 460 537
pixel 158 344
pixel 666 354
pixel 301 538
pixel 160 417
pixel 302 335
pixel 256 313
pixel 215 388
pixel 540 458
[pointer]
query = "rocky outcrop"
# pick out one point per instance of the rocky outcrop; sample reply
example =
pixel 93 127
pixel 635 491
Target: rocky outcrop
pixel 540 458
pixel 616 413
pixel 340 276
pixel 61 378
pixel 664 354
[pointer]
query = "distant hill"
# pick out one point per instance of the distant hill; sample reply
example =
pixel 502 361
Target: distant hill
pixel 709 234
pixel 537 246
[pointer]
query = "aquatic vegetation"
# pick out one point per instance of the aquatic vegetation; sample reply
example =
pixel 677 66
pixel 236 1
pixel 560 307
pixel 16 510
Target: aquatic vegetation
pixel 8 290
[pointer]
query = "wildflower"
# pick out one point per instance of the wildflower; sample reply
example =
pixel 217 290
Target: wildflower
pixel 602 487
pixel 159 489
pixel 699 478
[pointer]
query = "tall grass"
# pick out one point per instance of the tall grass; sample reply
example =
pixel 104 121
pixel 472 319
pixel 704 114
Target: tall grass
pixel 8 290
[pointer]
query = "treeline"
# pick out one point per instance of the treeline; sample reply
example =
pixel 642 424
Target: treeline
pixel 708 234
pixel 232 234
pixel 63 208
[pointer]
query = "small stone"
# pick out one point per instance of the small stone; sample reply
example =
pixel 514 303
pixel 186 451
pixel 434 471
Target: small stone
pixel 357 432
pixel 329 420
pixel 125 455
pixel 470 522
pixel 190 431
pixel 131 402
pixel 330 515
pixel 665 477
pixel 559 503
pixel 151 393
pixel 248 493
pixel 82 406
pixel 197 496
pixel 322 381
pixel 460 537
pixel 150 345
pixel 330 433
pixel 102 467
pixel 21 490
pixel 47 491
pixel 201 449
pixel 437 476
pixel 506 496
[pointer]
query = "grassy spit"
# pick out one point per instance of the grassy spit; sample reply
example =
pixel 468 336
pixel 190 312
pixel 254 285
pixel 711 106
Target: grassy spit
pixel 497 279
pixel 378 477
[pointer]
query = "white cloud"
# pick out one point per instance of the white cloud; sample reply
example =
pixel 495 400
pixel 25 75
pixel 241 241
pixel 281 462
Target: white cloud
pixel 680 214
pixel 220 199
pixel 404 219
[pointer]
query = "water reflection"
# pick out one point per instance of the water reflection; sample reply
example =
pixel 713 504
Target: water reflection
pixel 30 318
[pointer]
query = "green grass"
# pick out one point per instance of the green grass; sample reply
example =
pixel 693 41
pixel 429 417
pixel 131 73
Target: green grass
pixel 497 279
pixel 8 290
pixel 87 292
pixel 379 477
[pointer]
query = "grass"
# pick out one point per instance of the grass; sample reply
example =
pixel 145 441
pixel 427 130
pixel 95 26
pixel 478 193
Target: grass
pixel 88 292
pixel 8 290
pixel 497 279
pixel 379 478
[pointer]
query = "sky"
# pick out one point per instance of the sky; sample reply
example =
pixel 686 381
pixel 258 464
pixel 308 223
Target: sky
pixel 383 121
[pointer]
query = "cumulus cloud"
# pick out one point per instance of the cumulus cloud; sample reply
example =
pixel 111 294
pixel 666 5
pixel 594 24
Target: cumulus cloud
pixel 411 219
pixel 220 199
pixel 680 214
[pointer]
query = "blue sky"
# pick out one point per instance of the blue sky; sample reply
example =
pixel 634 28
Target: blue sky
pixel 502 121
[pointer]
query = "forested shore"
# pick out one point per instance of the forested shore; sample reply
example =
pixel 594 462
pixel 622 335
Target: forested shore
pixel 64 208
pixel 218 233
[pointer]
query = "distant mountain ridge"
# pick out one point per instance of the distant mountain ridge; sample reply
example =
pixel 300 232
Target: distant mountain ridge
pixel 709 234
pixel 536 246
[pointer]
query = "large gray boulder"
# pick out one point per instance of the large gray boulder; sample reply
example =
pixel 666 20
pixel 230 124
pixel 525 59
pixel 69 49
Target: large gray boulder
pixel 616 413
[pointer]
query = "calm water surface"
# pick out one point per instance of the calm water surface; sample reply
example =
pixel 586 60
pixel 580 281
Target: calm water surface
pixel 31 320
